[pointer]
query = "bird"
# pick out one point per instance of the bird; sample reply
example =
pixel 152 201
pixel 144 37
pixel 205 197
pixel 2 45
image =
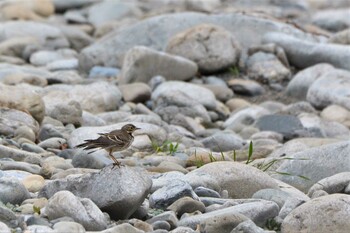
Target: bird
pixel 116 140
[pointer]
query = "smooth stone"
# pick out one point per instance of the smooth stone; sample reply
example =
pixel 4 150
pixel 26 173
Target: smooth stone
pixel 64 203
pixel 142 63
pixel 36 220
pixel 81 159
pixel 314 164
pixel 72 171
pixel 106 97
pixel 298 108
pixel 54 142
pixel 286 125
pixel 43 57
pixel 333 184
pixel 161 225
pixel 49 36
pixel 32 148
pixel 21 166
pixel 336 80
pixel 61 6
pixel 66 64
pixel 201 94
pixel 78 37
pixel 162 179
pixel 64 76
pixel 89 119
pixel 40 229
pixel 248 178
pixel 72 227
pixel 222 224
pixel 135 92
pixel 8 217
pixel 342 37
pixel 246 87
pixel 168 194
pixel 336 113
pixel 258 212
pixel 33 183
pixel 324 214
pixel 332 19
pixel 213 48
pixel 236 103
pixel 25 132
pixel 222 93
pixel 206 192
pixel 299 55
pixel 4 228
pixel 24 78
pixel 122 228
pixel 67 113
pixel 17 174
pixel 223 141
pixel 186 205
pixel 128 187
pixel 168 216
pixel 113 48
pixel 183 230
pixel 21 98
pixel 103 72
pixel 301 82
pixel 249 227
pixel 12 120
pixel 57 162
pixel 167 166
pixel 13 191
pixel 266 68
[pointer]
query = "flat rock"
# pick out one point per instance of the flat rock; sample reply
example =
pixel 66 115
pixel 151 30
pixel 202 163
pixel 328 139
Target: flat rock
pixel 223 141
pixel 135 92
pixel 230 175
pixel 303 54
pixel 337 183
pixel 213 48
pixel 258 212
pixel 121 190
pixel 13 191
pixel 141 64
pixel 324 214
pixel 44 57
pixel 246 87
pixel 314 164
pixel 106 97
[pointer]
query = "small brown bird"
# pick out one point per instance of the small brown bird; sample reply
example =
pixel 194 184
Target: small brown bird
pixel 116 140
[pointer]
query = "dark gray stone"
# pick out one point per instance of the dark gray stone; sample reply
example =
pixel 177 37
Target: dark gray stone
pixel 206 192
pixel 12 191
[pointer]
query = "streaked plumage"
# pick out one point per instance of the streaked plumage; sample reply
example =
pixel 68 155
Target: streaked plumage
pixel 116 140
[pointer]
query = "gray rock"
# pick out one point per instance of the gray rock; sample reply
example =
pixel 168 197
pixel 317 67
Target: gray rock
pixel 142 63
pixel 222 93
pixel 223 141
pixel 12 191
pixel 112 10
pixel 196 92
pixel 63 64
pixel 314 164
pixel 332 19
pixel 82 210
pixel 266 68
pixel 339 81
pixel 333 184
pixel 106 97
pixel 135 92
pixel 63 5
pixel 54 142
pixel 248 178
pixel 213 48
pixel 246 87
pixel 258 212
pixel 78 39
pixel 168 216
pixel 103 72
pixel 164 225
pixel 287 125
pixel 162 179
pixel 64 76
pixel 342 37
pixel 82 159
pixel 299 55
pixel 121 191
pixel 4 228
pixel 67 113
pixel 8 217
pixel 40 229
pixel 114 116
pixel 72 227
pixel 186 205
pixel 111 50
pixel 168 194
pixel 301 82
pixel 248 226
pixel 324 214
pixel 21 166
pixel 122 228
pixel 90 119
pixel 183 230
pixel 32 148
pixel 21 98
pixel 11 120
pixel 49 36
pixel 43 57
pixel 206 192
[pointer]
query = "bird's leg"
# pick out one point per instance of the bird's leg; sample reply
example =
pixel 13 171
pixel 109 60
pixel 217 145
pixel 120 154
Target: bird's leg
pixel 116 162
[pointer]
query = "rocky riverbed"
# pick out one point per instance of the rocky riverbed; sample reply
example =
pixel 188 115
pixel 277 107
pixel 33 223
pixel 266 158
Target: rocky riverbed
pixel 244 110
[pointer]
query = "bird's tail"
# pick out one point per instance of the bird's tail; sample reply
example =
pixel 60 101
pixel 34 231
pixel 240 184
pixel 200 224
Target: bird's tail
pixel 88 145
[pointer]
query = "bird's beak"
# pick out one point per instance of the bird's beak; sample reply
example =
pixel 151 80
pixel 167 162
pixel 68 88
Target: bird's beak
pixel 137 128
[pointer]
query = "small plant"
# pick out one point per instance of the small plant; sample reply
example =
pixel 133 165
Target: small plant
pixel 234 70
pixel 250 153
pixel 273 225
pixel 36 209
pixel 199 162
pixel 167 147
pixel 155 212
